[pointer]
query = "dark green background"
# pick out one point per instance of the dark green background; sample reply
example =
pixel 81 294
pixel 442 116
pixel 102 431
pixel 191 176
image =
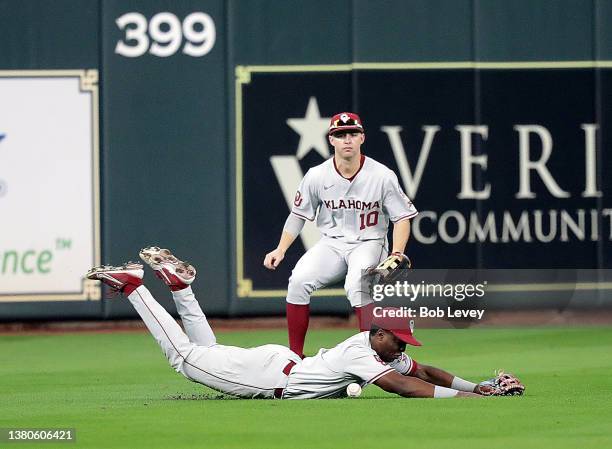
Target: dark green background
pixel 167 124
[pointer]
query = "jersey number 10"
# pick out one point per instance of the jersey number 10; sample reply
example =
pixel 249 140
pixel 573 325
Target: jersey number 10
pixel 369 219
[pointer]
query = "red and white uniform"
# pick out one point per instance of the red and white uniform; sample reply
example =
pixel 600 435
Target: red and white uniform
pixel 327 374
pixel 263 371
pixel 246 372
pixel 353 216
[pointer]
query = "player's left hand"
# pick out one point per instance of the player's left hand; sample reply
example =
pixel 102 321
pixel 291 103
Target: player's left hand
pixel 390 268
pixel 503 384
pixel 484 389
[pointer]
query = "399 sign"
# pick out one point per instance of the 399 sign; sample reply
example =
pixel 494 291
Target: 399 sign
pixel 163 35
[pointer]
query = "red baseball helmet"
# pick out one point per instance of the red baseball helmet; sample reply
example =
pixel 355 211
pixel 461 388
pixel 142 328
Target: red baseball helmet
pixel 392 320
pixel 345 121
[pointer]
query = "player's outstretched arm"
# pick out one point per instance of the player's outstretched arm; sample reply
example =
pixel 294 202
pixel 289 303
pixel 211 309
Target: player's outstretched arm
pixel 413 387
pixel 443 378
pixel 434 375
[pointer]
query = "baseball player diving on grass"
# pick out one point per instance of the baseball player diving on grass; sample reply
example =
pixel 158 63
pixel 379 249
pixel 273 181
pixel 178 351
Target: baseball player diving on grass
pixel 353 199
pixel 274 371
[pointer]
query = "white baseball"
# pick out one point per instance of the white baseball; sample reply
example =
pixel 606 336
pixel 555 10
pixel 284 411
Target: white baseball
pixel 353 390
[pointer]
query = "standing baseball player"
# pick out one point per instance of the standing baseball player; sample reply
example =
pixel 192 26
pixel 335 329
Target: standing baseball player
pixel 274 371
pixel 353 199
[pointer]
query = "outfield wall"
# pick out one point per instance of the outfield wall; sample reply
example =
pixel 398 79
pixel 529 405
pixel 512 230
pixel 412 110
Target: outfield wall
pixel 189 124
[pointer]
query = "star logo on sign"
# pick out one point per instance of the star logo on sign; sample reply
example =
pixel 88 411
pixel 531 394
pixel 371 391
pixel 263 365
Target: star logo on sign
pixel 312 130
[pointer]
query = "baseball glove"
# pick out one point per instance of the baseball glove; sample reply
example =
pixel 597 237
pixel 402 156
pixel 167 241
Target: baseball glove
pixel 389 270
pixel 503 384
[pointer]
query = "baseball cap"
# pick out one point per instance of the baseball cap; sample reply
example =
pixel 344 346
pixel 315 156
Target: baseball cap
pixel 345 121
pixel 392 320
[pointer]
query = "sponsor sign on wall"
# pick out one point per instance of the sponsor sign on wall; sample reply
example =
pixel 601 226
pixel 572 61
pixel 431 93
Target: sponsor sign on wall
pixel 506 163
pixel 49 185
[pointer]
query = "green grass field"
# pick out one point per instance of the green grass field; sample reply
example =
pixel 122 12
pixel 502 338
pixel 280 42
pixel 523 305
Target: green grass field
pixel 117 390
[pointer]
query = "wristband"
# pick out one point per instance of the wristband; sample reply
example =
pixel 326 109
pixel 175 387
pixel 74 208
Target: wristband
pixel 443 392
pixel 462 384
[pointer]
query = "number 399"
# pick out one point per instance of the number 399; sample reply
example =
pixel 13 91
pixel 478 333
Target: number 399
pixel 167 33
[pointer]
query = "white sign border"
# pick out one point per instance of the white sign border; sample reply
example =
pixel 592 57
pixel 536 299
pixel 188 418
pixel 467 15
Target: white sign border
pixel 88 82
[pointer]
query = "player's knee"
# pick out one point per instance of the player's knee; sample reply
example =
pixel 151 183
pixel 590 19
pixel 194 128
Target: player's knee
pixel 176 360
pixel 358 297
pixel 299 290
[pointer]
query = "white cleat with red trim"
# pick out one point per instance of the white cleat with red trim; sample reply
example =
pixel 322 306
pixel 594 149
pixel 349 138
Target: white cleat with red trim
pixel 175 273
pixel 130 273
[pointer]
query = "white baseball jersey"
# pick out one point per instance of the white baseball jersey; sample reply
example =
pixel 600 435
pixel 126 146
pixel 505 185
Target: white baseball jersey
pixel 327 374
pixel 354 209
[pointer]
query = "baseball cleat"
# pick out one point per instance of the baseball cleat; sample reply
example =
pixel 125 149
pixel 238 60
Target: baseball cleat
pixel 130 273
pixel 155 254
pixel 175 273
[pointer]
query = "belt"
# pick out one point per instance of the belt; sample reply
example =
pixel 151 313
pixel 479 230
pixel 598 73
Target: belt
pixel 278 392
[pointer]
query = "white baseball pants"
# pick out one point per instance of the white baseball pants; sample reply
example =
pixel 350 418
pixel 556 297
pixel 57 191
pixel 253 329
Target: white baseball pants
pixel 249 373
pixel 328 262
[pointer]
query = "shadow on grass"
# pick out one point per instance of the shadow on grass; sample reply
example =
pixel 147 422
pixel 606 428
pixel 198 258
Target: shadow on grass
pixel 225 397
pixel 200 397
